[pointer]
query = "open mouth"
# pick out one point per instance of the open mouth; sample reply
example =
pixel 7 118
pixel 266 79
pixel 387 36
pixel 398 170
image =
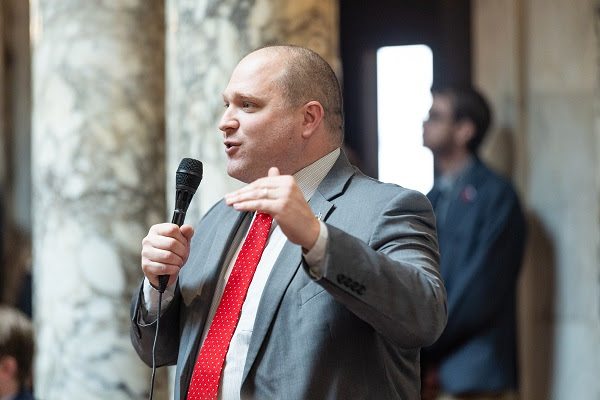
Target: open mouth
pixel 230 147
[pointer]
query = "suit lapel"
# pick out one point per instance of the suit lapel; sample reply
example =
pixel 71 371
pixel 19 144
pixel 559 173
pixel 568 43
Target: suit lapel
pixel 220 247
pixel 290 258
pixel 465 195
pixel 281 275
pixel 205 278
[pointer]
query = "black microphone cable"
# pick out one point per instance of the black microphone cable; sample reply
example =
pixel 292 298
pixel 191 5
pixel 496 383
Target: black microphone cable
pixel 160 293
pixel 187 180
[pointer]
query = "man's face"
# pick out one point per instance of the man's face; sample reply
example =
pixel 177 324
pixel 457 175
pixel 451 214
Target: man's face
pixel 261 130
pixel 438 128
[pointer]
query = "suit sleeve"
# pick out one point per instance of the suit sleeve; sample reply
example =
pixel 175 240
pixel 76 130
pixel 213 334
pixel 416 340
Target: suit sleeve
pixel 488 277
pixel 142 334
pixel 392 282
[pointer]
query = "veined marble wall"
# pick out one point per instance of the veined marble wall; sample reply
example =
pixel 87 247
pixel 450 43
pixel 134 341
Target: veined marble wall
pixel 3 135
pixel 539 62
pixel 98 183
pixel 206 39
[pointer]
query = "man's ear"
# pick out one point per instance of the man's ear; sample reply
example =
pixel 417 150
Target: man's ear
pixel 464 131
pixel 8 367
pixel 313 116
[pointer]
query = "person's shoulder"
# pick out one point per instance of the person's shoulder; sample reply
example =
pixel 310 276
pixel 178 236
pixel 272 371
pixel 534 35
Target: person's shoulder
pixel 361 179
pixel 499 192
pixel 24 395
pixel 384 190
pixel 217 210
pixel 493 178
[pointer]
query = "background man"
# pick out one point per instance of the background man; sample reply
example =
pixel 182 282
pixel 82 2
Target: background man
pixel 16 354
pixel 347 287
pixel 481 231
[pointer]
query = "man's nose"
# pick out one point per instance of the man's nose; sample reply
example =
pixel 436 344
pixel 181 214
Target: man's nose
pixel 228 121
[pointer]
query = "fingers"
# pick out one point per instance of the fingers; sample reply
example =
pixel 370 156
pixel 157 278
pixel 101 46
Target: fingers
pixel 154 269
pixel 271 187
pixel 252 196
pixel 187 232
pixel 266 194
pixel 165 249
pixel 279 196
pixel 168 237
pixel 273 171
pixel 257 194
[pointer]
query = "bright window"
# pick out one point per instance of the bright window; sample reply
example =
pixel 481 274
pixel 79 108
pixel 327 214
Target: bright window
pixel 404 78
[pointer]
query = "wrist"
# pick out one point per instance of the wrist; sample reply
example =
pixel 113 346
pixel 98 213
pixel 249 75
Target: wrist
pixel 313 235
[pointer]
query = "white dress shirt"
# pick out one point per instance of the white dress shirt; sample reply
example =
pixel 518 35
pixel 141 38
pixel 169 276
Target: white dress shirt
pixel 308 179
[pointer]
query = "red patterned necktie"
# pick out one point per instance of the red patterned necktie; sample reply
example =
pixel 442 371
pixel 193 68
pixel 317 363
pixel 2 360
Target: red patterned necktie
pixel 204 384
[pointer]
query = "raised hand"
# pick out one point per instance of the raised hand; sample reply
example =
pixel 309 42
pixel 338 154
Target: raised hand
pixel 280 196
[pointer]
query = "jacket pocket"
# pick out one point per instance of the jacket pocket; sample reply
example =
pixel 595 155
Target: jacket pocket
pixel 309 291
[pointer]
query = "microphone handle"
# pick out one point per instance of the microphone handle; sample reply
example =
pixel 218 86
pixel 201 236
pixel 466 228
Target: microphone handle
pixel 178 218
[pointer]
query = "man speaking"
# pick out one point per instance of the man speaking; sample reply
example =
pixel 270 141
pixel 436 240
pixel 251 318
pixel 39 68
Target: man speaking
pixel 311 282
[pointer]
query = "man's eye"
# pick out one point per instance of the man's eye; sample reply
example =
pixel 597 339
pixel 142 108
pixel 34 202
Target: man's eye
pixel 246 104
pixel 226 105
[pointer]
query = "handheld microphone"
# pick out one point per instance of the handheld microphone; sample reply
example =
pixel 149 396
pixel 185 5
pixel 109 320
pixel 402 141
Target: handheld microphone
pixel 187 180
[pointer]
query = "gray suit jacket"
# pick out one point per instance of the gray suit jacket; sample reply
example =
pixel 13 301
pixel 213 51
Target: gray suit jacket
pixel 355 332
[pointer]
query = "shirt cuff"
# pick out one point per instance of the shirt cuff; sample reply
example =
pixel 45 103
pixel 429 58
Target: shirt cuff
pixel 315 256
pixel 150 300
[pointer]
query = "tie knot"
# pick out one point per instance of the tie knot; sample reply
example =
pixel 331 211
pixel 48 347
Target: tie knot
pixel 262 223
pixel 263 216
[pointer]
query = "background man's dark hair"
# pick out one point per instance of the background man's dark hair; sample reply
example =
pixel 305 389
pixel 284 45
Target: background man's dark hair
pixel 16 340
pixel 469 104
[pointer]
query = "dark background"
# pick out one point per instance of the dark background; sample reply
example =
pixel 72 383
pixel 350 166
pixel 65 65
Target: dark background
pixel 365 26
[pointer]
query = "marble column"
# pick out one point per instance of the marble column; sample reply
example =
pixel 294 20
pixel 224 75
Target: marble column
pixel 205 40
pixel 3 135
pixel 98 183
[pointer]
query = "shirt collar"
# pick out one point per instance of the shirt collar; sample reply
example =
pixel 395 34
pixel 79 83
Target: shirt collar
pixel 449 181
pixel 309 177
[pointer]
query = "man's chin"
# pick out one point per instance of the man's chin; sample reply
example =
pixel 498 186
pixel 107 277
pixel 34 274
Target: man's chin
pixel 239 172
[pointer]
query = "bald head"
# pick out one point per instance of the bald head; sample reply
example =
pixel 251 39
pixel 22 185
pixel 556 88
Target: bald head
pixel 305 77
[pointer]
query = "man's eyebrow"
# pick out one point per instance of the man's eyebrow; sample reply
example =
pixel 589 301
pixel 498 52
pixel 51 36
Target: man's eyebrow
pixel 240 96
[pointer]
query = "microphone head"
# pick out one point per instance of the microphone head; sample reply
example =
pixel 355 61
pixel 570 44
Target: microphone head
pixel 189 174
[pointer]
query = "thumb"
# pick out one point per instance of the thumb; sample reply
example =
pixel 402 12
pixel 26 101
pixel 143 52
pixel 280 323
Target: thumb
pixel 273 171
pixel 187 231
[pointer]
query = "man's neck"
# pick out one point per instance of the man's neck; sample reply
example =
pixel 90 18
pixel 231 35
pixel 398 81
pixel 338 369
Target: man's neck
pixel 9 390
pixel 453 164
pixel 318 153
